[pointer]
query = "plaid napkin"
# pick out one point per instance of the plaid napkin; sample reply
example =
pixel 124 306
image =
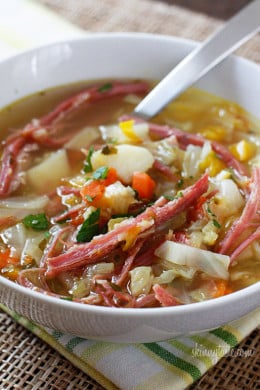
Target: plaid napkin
pixel 172 364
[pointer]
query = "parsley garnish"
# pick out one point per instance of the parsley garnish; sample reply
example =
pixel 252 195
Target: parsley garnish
pixel 36 222
pixel 210 212
pixel 106 87
pixel 115 287
pixel 107 149
pixel 89 228
pixel 216 223
pixel 100 173
pixel 169 197
pixel 47 235
pixel 174 197
pixel 89 198
pixel 180 183
pixel 67 298
pixel 87 164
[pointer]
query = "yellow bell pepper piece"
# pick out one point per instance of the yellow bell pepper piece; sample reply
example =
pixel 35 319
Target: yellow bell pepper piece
pixel 243 150
pixel 214 133
pixel 127 127
pixel 212 164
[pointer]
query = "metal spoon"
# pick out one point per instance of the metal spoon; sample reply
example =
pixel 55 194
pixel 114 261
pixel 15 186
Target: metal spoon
pixel 206 56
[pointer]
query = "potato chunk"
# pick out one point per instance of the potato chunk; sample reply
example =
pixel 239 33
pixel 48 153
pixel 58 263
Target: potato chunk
pixel 47 174
pixel 126 160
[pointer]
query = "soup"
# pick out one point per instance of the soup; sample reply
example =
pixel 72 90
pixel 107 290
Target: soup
pixel 103 208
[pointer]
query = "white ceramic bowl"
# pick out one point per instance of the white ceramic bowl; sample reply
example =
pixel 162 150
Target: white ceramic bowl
pixel 124 56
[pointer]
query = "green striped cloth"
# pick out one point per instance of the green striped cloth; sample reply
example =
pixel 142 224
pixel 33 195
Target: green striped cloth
pixel 172 364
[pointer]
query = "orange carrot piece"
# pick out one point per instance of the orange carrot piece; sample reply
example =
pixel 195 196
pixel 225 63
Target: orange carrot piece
pixel 6 259
pixel 92 192
pixel 228 290
pixel 111 177
pixel 143 184
pixel 222 288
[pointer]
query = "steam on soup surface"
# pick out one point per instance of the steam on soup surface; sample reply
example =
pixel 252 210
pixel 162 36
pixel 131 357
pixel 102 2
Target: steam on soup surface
pixel 105 209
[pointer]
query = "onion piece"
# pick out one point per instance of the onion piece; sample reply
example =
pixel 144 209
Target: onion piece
pixel 48 172
pixel 32 248
pixel 229 198
pixel 21 206
pixel 15 237
pixel 138 158
pixel 141 280
pixel 211 263
pixel 23 242
pixel 193 156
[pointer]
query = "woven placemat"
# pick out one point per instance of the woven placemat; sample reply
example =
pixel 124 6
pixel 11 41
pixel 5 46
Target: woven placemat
pixel 28 363
pixel 25 361
pixel 145 16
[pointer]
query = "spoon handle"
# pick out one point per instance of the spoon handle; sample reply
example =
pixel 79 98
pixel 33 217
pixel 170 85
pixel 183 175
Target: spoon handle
pixel 202 59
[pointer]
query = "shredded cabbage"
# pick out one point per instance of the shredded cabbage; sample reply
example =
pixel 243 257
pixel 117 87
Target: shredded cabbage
pixel 213 264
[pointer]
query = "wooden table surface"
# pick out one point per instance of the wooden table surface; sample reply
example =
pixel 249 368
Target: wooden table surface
pixel 222 9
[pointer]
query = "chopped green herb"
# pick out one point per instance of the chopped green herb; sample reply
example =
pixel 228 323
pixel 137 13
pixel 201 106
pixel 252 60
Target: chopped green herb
pixel 87 164
pixel 173 197
pixel 180 183
pixel 100 173
pixel 169 197
pixel 216 223
pixel 47 235
pixel 107 149
pixel 36 222
pixel 67 298
pixel 210 212
pixel 115 287
pixel 106 87
pixel 89 198
pixel 89 228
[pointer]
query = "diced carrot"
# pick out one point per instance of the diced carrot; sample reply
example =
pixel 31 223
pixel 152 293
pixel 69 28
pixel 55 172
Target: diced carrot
pixel 78 220
pixel 111 177
pixel 92 192
pixel 228 290
pixel 143 184
pixel 6 260
pixel 222 288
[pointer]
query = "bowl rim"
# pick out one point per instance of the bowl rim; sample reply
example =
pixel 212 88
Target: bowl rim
pixel 234 297
pixel 86 36
pixel 211 304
